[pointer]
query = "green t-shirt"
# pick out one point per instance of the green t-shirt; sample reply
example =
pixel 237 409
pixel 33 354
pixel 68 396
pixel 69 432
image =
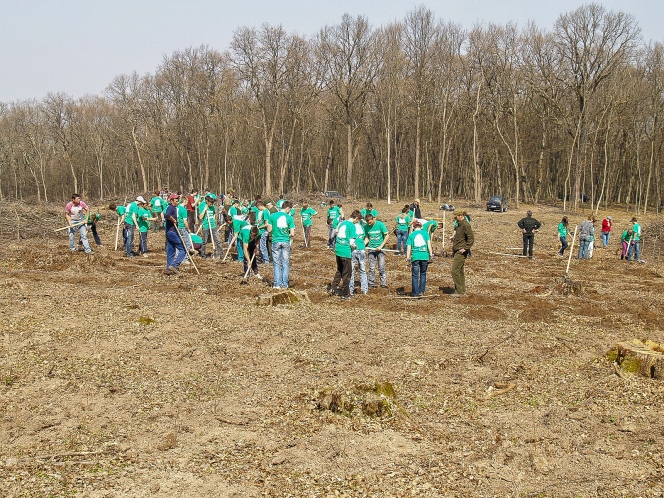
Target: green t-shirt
pixel 625 236
pixel 333 213
pixel 306 215
pixel 376 234
pixel 282 223
pixel 365 212
pixel 182 216
pixel 280 203
pixel 195 239
pixel 430 226
pixel 359 237
pixel 142 218
pixel 131 210
pixel 158 205
pixel 419 247
pixel 636 230
pixel 209 220
pixel 345 233
pixel 562 230
pixel 245 233
pixel 121 210
pixel 93 218
pixel 262 218
pixel 403 222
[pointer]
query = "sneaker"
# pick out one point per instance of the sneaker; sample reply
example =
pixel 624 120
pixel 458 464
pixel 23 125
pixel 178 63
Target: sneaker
pixel 457 294
pixel 174 269
pixel 186 262
pixel 383 286
pixel 145 255
pixel 258 276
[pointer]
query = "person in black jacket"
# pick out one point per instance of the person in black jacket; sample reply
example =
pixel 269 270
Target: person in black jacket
pixel 415 208
pixel 528 226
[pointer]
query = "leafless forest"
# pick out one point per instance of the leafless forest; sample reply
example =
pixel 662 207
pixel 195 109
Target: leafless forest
pixel 420 107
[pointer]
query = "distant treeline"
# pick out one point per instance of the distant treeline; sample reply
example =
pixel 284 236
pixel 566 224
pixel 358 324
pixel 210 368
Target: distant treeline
pixel 418 108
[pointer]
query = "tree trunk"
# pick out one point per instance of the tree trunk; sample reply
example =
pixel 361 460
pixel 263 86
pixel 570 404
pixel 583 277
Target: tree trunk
pixel 140 162
pixel 349 168
pixel 417 152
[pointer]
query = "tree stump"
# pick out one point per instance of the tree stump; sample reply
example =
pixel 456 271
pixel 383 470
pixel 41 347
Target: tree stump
pixel 638 358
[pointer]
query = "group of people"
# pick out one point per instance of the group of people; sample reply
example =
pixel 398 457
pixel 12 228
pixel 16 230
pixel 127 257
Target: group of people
pixel 630 239
pixel 249 225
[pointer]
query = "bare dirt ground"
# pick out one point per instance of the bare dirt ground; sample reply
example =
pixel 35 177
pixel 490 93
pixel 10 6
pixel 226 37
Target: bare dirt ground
pixel 120 381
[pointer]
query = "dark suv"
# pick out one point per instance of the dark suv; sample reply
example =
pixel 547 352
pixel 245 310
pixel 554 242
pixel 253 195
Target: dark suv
pixel 497 203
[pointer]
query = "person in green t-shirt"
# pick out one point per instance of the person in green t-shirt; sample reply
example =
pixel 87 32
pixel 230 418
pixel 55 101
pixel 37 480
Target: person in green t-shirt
pixel 358 256
pixel 333 215
pixel 131 224
pixel 625 241
pixel 143 217
pixel 262 219
pixel 377 235
pixel 281 202
pixel 635 243
pixel 563 232
pixel 207 217
pixel 120 211
pixel 249 237
pixel 158 207
pixel 369 210
pixel 307 213
pixel 282 229
pixel 343 249
pixel 418 254
pixel 404 221
pixel 93 218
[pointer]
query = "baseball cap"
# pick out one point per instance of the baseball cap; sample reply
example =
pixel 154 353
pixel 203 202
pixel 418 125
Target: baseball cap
pixel 140 199
pixel 211 196
pixel 173 196
pixel 459 212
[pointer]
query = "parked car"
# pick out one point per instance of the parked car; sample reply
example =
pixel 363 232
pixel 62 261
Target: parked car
pixel 497 203
pixel 333 194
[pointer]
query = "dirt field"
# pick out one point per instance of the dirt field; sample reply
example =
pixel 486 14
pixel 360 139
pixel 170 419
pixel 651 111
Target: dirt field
pixel 120 381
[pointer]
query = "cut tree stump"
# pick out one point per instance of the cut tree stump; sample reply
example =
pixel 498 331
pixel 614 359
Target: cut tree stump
pixel 638 358
pixel 283 297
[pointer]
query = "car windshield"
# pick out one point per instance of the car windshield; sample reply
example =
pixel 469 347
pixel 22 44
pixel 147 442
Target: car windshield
pixel 495 199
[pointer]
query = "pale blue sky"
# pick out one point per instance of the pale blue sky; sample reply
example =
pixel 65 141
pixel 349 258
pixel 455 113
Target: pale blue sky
pixel 79 46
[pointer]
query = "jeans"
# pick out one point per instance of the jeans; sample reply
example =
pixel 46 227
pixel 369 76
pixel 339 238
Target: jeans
pixel 584 244
pixel 380 257
pixel 281 263
pixel 143 242
pixel 419 274
pixel 210 235
pixel 83 232
pixel 634 249
pixel 93 228
pixel 175 252
pixel 605 238
pixel 528 242
pixel 332 238
pixel 358 258
pixel 187 241
pixel 240 249
pixel 262 246
pixel 342 275
pixel 564 245
pixel 129 241
pixel 402 237
pixel 231 234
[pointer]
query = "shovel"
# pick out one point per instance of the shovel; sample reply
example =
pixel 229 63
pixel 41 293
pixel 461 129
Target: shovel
pixel 246 275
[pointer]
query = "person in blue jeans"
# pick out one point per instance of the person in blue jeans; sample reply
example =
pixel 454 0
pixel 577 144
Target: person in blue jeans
pixel 404 221
pixel 635 243
pixel 282 228
pixel 419 249
pixel 587 233
pixel 563 232
pixel 175 251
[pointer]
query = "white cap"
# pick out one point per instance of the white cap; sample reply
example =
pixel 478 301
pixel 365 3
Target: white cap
pixel 140 199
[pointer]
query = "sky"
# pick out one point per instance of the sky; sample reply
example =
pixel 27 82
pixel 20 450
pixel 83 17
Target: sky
pixel 79 46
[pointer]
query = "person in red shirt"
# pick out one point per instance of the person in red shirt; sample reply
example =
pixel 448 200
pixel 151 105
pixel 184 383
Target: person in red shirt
pixel 192 202
pixel 607 224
